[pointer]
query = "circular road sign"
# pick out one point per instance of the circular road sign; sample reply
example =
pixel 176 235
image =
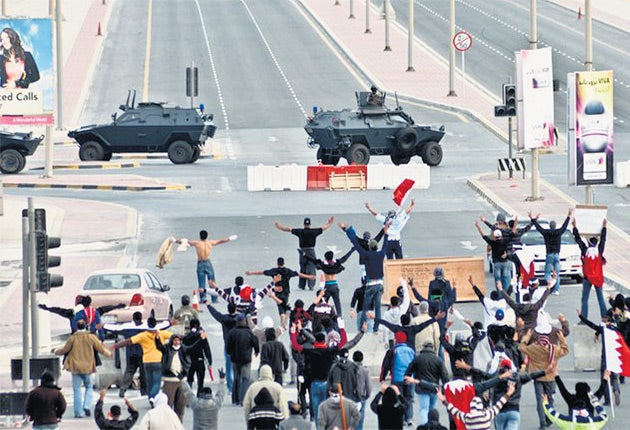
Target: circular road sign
pixel 462 41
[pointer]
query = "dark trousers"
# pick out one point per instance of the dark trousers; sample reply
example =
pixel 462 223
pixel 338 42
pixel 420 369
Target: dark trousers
pixel 332 290
pixel 134 363
pixel 407 392
pixel 197 367
pixel 394 250
pixel 308 267
pixel 242 373
pixel 176 397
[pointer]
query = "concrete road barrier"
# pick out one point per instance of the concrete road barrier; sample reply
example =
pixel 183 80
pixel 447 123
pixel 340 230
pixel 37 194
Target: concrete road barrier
pixel 622 174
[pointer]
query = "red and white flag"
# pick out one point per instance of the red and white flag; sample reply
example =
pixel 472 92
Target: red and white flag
pixel 528 272
pixel 616 352
pixel 402 190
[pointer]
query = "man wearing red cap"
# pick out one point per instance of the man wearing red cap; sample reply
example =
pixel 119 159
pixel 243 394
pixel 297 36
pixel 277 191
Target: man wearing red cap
pixel 396 361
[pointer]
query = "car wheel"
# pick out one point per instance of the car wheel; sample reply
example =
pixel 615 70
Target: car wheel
pixel 107 156
pixel 399 159
pixel 91 151
pixel 11 161
pixel 180 152
pixel 406 139
pixel 195 155
pixel 432 153
pixel 358 154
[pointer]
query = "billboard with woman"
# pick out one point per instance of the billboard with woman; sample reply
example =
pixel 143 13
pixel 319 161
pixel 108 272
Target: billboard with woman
pixel 26 71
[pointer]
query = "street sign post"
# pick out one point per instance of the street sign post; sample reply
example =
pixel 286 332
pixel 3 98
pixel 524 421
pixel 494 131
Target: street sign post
pixel 462 41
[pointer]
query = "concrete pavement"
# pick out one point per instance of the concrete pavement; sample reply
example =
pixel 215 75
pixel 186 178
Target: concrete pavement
pixel 97 234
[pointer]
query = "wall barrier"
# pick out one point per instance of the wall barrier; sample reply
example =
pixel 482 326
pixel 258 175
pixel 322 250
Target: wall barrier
pixel 622 174
pixel 300 178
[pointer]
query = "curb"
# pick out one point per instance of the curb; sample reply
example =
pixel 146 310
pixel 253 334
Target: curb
pixel 102 187
pixel 153 157
pixel 92 166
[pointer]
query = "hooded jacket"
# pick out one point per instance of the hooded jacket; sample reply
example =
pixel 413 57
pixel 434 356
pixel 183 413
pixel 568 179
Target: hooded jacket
pixel 265 415
pixel 329 414
pixel 346 373
pixel 161 417
pixel 275 355
pixel 428 367
pixel 205 408
pixel 273 388
pixel 45 404
pixel 168 353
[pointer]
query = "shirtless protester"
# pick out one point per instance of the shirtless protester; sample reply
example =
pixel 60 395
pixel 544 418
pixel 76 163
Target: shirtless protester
pixel 205 271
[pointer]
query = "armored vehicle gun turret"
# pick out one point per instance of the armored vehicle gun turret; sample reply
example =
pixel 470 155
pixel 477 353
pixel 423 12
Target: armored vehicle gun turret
pixel 372 129
pixel 147 127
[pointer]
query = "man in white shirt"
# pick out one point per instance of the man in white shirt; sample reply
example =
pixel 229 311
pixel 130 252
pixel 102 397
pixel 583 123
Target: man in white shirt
pixel 399 220
pixel 398 307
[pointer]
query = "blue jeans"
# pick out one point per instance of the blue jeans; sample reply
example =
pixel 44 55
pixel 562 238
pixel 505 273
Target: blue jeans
pixel 153 375
pixel 81 403
pixel 360 319
pixel 548 388
pixel 360 425
pixel 510 420
pixel 318 395
pixel 205 271
pixel 426 402
pixel 552 261
pixel 46 427
pixel 586 292
pixel 229 379
pixel 308 267
pixel 502 271
pixel 242 374
pixel 372 300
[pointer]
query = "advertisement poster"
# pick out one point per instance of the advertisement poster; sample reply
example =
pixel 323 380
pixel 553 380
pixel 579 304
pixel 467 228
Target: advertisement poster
pixel 26 71
pixel 594 127
pixel 535 94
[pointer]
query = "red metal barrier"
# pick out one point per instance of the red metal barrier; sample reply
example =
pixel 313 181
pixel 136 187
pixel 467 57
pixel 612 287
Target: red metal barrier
pixel 318 177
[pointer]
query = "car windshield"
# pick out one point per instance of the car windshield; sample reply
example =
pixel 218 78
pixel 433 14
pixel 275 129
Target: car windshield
pixel 114 281
pixel 533 237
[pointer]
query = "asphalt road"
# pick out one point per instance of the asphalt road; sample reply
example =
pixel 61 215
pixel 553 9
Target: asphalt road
pixel 259 101
pixel 499 28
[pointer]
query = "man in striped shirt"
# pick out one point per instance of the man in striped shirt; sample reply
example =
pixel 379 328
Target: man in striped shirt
pixel 479 418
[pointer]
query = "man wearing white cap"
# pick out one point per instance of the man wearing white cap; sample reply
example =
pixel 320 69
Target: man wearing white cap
pixel 501 265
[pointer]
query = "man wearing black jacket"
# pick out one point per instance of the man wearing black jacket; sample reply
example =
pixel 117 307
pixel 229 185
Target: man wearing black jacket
pixel 553 242
pixel 228 322
pixel 240 344
pixel 199 353
pixel 275 355
pixel 114 423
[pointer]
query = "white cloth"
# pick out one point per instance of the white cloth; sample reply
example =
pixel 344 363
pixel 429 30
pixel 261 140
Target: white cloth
pixel 161 417
pixel 397 225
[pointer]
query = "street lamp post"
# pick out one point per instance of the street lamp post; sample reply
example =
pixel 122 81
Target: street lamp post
pixel 451 52
pixel 588 64
pixel 533 44
pixel 367 17
pixel 410 41
pixel 387 11
pixel 351 10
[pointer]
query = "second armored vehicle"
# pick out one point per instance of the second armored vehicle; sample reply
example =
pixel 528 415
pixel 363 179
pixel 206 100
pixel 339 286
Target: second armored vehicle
pixel 147 127
pixel 372 129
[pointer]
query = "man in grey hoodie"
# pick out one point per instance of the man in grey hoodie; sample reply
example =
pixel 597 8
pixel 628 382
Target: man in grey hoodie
pixel 205 406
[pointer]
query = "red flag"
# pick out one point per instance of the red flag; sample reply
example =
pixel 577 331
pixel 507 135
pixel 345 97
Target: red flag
pixel 459 393
pixel 527 266
pixel 401 191
pixel 617 352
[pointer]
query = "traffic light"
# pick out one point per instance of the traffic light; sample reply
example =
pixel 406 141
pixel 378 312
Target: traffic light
pixel 45 281
pixel 509 99
pixel 500 110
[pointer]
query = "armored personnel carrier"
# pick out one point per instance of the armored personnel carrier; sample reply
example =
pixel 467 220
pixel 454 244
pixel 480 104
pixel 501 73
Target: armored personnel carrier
pixel 147 127
pixel 372 129
pixel 14 147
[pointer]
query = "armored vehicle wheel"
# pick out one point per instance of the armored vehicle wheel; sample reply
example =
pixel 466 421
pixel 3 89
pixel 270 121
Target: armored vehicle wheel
pixel 399 159
pixel 196 154
pixel 406 139
pixel 358 154
pixel 180 152
pixel 326 159
pixel 11 161
pixel 91 151
pixel 432 153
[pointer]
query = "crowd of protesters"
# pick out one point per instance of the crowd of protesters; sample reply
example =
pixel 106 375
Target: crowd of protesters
pixel 516 343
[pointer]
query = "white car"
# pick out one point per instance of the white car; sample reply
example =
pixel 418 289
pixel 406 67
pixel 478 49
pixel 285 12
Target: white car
pixel 139 289
pixel 570 255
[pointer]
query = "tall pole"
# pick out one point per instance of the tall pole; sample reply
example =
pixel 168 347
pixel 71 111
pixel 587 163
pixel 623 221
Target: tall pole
pixel 410 39
pixel 4 8
pixel 533 44
pixel 58 21
pixel 33 284
pixel 351 16
pixel 451 51
pixel 387 11
pixel 25 304
pixel 367 16
pixel 588 64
